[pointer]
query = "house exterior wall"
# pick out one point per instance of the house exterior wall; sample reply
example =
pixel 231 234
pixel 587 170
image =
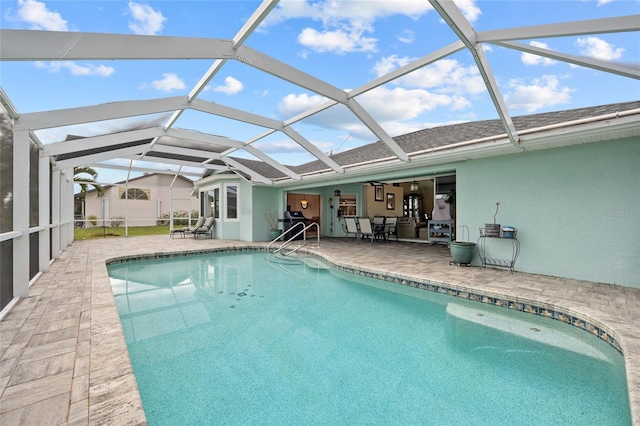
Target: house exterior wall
pixel 577 209
pixel 264 198
pixel 142 212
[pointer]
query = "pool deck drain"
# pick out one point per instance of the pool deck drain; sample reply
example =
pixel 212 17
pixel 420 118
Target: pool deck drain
pixel 64 358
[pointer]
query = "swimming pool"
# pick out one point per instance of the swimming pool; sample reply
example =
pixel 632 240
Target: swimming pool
pixel 235 338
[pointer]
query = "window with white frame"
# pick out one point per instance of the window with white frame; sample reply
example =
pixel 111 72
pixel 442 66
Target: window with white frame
pixel 210 202
pixel 134 194
pixel 216 202
pixel 231 202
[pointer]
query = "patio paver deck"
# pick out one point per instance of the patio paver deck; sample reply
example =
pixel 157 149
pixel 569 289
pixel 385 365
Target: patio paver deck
pixel 64 358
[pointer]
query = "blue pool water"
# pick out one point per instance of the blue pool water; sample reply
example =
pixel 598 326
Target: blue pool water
pixel 240 339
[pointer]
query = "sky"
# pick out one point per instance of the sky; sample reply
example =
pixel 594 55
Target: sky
pixel 345 43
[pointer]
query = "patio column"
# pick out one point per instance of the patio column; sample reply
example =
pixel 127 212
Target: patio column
pixel 21 147
pixel 55 214
pixel 43 214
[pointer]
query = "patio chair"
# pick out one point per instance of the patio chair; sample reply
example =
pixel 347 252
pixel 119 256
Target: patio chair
pixel 187 229
pixel 206 228
pixel 378 227
pixel 351 227
pixel 366 230
pixel 391 227
pixel 198 224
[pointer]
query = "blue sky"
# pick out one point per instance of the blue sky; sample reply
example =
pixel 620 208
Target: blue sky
pixel 346 43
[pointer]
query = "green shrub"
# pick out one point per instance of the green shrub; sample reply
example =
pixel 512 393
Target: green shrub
pixel 117 221
pixel 164 220
pixel 92 219
pixel 180 217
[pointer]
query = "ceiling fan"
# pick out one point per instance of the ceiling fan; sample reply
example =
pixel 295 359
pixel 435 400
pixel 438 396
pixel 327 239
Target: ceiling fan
pixel 377 182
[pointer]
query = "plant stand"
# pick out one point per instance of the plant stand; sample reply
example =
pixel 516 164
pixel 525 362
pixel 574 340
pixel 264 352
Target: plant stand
pixel 499 262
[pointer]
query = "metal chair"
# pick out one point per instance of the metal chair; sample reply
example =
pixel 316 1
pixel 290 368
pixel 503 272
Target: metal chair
pixel 351 227
pixel 206 228
pixel 366 230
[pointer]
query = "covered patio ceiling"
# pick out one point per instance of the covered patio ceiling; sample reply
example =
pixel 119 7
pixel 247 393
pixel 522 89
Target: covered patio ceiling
pixel 153 136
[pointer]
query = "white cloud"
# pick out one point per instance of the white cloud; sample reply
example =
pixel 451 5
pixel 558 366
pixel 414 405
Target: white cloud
pixel 387 64
pixel 292 105
pixel 76 69
pixel 400 104
pixel 231 86
pixel 169 82
pixel 530 59
pixel 145 19
pixel 406 36
pixel 469 9
pixel 40 18
pixel 393 108
pixel 338 41
pixel 541 92
pixel 597 48
pixel 443 76
pixel 278 146
pixel 329 11
pixel 344 25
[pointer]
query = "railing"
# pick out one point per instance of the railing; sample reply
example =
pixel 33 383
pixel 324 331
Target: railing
pixel 289 231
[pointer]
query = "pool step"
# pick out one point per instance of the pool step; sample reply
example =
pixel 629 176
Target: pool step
pixel 284 260
pixel 297 259
pixel 313 262
pixel 539 333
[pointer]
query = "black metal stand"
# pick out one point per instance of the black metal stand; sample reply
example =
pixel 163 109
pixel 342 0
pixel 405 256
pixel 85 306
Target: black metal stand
pixel 499 262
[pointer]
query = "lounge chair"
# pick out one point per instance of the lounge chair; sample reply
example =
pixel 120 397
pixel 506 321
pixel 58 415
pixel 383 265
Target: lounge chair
pixel 352 227
pixel 187 229
pixel 206 228
pixel 198 224
pixel 366 230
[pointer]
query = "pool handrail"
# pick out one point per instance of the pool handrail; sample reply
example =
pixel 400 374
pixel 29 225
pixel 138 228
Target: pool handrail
pixel 302 232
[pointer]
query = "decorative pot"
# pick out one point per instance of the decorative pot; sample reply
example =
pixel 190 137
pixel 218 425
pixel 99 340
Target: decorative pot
pixel 462 252
pixel 509 232
pixel 274 233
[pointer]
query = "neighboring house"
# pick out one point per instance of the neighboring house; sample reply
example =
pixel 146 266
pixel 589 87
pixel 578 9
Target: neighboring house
pixel 143 200
pixel 571 186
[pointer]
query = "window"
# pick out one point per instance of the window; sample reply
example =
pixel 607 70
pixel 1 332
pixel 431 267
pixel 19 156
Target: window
pixel 216 201
pixel 105 210
pixel 231 205
pixel 210 202
pixel 134 194
pixel 348 205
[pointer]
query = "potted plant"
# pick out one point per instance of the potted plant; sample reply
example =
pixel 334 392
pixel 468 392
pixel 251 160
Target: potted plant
pixel 273 221
pixel 462 252
pixel 493 229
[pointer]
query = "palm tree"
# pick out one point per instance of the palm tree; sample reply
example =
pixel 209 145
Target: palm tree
pixel 84 182
pixel 81 177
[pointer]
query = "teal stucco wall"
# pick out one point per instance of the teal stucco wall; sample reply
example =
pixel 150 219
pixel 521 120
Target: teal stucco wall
pixel 577 209
pixel 264 198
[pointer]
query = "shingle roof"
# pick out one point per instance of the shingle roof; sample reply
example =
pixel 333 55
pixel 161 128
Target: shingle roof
pixel 455 133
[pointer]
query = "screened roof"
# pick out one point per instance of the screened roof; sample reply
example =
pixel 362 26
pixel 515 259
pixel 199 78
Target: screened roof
pixel 286 92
